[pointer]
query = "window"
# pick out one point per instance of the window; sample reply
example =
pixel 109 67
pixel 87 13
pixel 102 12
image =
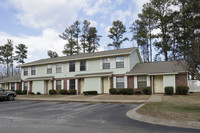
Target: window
pixel 33 70
pixel 58 84
pixel 82 65
pixel 106 63
pixel 72 84
pixel 120 62
pixel 58 68
pixel 72 66
pixel 120 82
pixel 12 86
pixel 49 69
pixel 25 71
pixel 25 85
pixel 142 81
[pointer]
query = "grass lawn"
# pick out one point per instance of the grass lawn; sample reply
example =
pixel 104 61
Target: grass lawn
pixel 124 97
pixel 175 107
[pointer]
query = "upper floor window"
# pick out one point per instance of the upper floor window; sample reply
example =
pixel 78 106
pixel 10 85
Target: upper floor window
pixel 25 71
pixel 120 62
pixel 142 81
pixel 82 65
pixel 72 66
pixel 72 84
pixel 33 70
pixel 58 68
pixel 49 69
pixel 106 63
pixel 58 84
pixel 120 82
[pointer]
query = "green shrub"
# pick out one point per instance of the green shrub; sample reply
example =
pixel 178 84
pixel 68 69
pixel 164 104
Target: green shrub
pixel 38 93
pixel 63 92
pixel 169 90
pixel 18 92
pixel 112 91
pixel 138 92
pixel 52 92
pixel 72 92
pixel 90 92
pixel 126 91
pixel 24 92
pixel 31 93
pixel 147 90
pixel 129 91
pixel 182 90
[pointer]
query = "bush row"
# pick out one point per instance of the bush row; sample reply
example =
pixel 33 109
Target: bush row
pixel 181 90
pixel 90 93
pixel 63 92
pixel 129 91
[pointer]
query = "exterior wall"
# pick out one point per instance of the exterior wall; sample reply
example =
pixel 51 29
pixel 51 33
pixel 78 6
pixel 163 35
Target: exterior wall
pixel 169 80
pixel 93 84
pixel 130 81
pixel 92 66
pixel 50 85
pixel 181 79
pixel 133 59
pixel 38 86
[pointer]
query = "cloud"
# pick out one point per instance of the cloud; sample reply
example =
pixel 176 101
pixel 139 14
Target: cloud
pixel 46 13
pixel 121 15
pixel 49 40
pixel 93 23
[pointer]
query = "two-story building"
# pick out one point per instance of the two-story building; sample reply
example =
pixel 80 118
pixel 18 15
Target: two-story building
pixel 100 71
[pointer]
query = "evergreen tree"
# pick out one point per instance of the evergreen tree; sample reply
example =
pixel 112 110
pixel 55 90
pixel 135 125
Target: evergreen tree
pixel 77 32
pixel 93 40
pixel 52 54
pixel 6 54
pixel 116 34
pixel 21 53
pixel 84 36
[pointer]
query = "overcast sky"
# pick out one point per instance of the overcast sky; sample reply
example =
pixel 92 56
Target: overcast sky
pixel 38 23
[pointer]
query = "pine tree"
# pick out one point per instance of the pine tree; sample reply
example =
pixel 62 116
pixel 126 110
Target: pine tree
pixel 21 53
pixel 116 34
pixel 84 36
pixel 93 40
pixel 52 54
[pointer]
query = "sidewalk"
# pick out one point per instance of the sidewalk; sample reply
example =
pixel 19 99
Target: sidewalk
pixel 148 119
pixel 81 98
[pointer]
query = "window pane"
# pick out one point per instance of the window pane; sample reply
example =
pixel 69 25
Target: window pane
pixel 12 86
pixel 119 64
pixel 33 70
pixel 142 81
pixel 58 84
pixel 49 70
pixel 82 65
pixel 106 65
pixel 58 68
pixel 120 82
pixel 72 66
pixel 25 85
pixel 72 84
pixel 25 71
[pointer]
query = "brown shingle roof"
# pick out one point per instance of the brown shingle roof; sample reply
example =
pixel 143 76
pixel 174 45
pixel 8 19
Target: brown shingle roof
pixel 15 78
pixel 158 67
pixel 81 56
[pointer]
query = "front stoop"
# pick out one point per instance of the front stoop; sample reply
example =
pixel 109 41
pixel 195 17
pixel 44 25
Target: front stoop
pixel 152 120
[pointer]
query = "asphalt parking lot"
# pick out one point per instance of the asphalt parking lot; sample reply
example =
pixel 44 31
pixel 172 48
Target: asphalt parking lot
pixel 50 117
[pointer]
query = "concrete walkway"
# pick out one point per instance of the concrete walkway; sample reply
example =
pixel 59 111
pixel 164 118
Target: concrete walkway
pixel 155 98
pixel 148 119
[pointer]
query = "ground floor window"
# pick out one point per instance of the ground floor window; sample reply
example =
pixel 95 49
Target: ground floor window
pixel 58 84
pixel 12 86
pixel 25 85
pixel 120 82
pixel 72 84
pixel 142 81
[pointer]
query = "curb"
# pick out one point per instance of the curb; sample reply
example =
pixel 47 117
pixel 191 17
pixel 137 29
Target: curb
pixel 86 101
pixel 152 120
